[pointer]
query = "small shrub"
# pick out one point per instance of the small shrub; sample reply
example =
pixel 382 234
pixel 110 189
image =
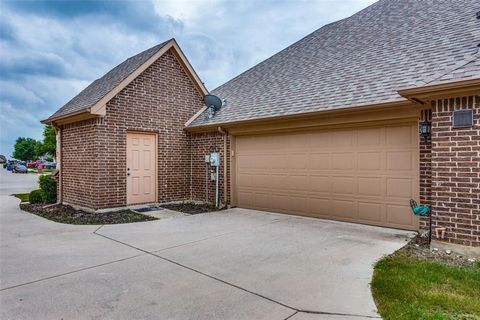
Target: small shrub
pixel 49 187
pixel 36 196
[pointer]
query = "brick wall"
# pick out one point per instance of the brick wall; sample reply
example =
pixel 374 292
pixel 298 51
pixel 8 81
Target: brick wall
pixel 77 163
pixel 425 154
pixel 455 160
pixel 203 189
pixel 160 100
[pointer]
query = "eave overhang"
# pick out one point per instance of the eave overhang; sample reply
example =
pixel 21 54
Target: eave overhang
pixel 423 94
pixel 374 112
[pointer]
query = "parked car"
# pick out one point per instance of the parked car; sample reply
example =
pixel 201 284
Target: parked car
pixel 3 159
pixel 50 165
pixel 34 164
pixel 11 164
pixel 20 169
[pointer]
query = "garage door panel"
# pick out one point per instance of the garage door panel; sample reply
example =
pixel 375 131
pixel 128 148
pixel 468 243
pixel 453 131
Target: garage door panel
pixel 342 138
pixel 245 162
pixel 399 135
pixel 297 204
pixel 320 207
pixel 400 160
pixel 320 184
pixel 344 209
pixel 370 211
pixel 369 161
pixel 364 174
pixel 260 181
pixel 298 183
pixel 261 200
pixel 370 137
pixel 370 186
pixel 343 185
pixel 279 181
pixel 244 180
pixel 298 161
pixel 320 139
pixel 279 161
pixel 280 202
pixel 320 161
pixel 245 198
pixel 343 160
pixel 293 141
pixel 400 188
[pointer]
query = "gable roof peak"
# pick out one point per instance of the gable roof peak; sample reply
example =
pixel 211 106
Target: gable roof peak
pixel 93 98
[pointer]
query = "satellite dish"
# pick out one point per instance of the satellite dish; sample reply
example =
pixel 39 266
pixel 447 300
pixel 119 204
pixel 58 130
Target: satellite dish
pixel 213 101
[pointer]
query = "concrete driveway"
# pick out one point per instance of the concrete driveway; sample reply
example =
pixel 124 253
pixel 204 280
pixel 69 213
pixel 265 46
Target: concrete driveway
pixel 236 264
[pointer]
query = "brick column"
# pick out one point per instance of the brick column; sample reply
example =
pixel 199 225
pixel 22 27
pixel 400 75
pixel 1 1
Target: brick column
pixel 455 160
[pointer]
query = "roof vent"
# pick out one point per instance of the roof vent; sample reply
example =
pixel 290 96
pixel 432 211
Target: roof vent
pixel 463 118
pixel 213 104
pixel 478 14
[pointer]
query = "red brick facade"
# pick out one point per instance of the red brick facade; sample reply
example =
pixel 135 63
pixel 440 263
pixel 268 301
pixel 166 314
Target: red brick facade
pixel 425 154
pixel 78 163
pixel 455 161
pixel 160 100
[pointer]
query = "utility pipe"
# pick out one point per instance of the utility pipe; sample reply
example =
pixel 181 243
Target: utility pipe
pixel 58 159
pixel 225 135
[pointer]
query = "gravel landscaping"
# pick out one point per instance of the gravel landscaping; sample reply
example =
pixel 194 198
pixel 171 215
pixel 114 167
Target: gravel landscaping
pixel 67 214
pixel 419 247
pixel 190 207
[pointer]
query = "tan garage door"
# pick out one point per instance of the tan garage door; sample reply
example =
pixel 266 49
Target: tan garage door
pixel 364 174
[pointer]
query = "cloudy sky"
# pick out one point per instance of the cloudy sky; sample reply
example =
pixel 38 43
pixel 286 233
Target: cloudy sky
pixel 50 50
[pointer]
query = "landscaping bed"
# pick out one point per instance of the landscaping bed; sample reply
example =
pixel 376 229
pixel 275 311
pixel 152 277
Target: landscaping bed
pixel 419 247
pixel 67 214
pixel 190 207
pixel 419 283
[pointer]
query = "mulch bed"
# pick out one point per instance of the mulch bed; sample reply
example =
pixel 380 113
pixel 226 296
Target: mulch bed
pixel 420 248
pixel 190 207
pixel 67 214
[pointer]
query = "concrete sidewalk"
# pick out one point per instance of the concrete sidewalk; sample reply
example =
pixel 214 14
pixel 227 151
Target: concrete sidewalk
pixel 234 264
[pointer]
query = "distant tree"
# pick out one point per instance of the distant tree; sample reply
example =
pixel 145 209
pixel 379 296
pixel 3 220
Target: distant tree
pixel 26 149
pixel 39 152
pixel 49 144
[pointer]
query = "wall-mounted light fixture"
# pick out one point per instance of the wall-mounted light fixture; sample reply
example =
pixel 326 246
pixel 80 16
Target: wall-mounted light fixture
pixel 425 129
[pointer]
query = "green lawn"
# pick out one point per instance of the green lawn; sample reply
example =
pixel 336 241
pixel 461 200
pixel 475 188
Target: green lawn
pixel 407 287
pixel 22 196
pixel 45 171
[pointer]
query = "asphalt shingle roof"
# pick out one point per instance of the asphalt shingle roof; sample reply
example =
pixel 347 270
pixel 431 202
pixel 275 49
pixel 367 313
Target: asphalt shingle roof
pixel 361 60
pixel 469 69
pixel 100 87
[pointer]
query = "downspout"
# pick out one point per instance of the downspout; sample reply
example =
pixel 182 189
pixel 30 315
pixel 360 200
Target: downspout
pixel 225 135
pixel 58 159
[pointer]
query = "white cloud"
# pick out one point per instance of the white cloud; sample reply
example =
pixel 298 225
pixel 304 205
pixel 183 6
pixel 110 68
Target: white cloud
pixel 189 11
